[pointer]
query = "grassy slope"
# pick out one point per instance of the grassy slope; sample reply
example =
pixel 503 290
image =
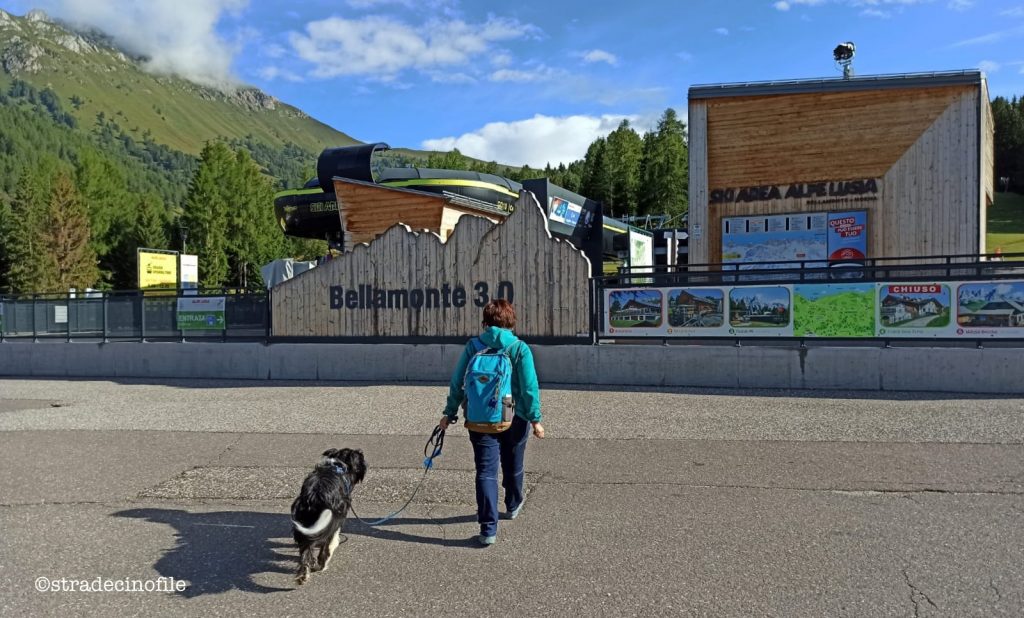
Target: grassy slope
pixel 179 114
pixel 1006 224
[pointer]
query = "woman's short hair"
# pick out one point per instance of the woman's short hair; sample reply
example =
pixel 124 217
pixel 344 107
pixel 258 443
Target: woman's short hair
pixel 499 312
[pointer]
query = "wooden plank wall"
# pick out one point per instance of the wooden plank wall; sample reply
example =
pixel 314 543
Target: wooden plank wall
pixel 815 137
pixel 549 278
pixel 988 165
pixel 362 205
pixel 699 218
pixel 921 146
pixel 931 201
pixel 368 210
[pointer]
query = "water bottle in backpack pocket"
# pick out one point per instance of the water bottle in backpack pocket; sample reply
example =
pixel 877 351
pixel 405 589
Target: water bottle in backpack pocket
pixel 488 384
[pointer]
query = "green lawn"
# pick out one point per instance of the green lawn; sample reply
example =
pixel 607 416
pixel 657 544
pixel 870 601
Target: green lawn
pixel 1006 224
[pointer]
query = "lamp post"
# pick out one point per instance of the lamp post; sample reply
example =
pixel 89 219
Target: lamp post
pixel 183 231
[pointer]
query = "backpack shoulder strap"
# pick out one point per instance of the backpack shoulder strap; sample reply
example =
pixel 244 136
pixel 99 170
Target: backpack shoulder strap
pixel 478 345
pixel 515 351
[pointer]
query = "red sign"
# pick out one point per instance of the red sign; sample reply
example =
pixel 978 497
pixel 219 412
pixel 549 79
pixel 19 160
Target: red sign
pixel 915 289
pixel 846 253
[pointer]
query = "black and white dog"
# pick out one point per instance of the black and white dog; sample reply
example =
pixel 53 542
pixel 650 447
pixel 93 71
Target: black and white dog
pixel 319 511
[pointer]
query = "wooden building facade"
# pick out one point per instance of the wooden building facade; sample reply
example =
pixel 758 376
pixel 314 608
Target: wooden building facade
pixel 407 283
pixel 910 154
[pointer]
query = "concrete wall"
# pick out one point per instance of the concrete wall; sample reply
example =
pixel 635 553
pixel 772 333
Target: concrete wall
pixel 964 370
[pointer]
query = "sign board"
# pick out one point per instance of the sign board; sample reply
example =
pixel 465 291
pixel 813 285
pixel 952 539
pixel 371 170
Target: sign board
pixel 814 238
pixel 847 237
pixel 408 284
pixel 201 313
pixel 641 252
pixel 817 192
pixel 60 314
pixel 564 211
pixel 158 269
pixel 942 310
pixel 189 273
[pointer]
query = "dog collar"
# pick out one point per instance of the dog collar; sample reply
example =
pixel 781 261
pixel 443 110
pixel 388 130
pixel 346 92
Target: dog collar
pixel 338 466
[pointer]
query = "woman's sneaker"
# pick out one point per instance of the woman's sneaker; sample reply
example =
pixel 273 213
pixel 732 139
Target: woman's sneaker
pixel 514 513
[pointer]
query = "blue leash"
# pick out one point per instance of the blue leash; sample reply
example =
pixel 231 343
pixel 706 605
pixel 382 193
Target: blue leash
pixel 437 440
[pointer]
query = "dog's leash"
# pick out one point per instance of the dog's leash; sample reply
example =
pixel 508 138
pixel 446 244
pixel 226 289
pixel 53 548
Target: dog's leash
pixel 437 440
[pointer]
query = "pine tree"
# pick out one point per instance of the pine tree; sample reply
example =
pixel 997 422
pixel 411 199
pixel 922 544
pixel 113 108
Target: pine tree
pixel 71 261
pixel 150 227
pixel 21 233
pixel 453 160
pixel 1008 116
pixel 595 182
pixel 6 221
pixel 665 173
pixel 147 228
pixel 254 238
pixel 205 215
pixel 624 156
pixel 102 186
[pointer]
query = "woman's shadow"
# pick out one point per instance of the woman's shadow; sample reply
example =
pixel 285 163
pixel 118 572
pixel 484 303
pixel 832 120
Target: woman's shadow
pixel 223 550
pixel 356 526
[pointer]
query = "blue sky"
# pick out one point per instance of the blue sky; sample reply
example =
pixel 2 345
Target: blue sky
pixel 532 82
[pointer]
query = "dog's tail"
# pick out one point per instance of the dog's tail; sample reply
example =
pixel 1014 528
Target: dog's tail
pixel 318 526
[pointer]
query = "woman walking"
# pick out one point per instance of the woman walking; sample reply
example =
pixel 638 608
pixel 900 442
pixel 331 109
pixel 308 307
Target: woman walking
pixel 507 446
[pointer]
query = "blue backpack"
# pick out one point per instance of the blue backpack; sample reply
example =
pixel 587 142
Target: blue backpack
pixel 488 385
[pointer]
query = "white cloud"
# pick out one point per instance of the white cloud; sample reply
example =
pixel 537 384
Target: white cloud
pixel 599 55
pixel 1017 11
pixel 382 46
pixel 443 6
pixel 176 36
pixel 685 56
pixel 271 73
pixel 536 141
pixel 502 59
pixel 452 78
pixel 540 73
pixel 871 6
pixel 274 51
pixel 513 75
pixel 989 66
pixel 876 13
pixel 722 31
pixel 992 37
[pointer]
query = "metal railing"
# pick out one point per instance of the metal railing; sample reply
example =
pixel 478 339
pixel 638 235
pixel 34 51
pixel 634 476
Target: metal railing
pixel 916 272
pixel 932 267
pixel 126 315
pixel 129 315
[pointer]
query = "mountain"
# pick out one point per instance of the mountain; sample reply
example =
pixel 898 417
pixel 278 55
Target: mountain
pixel 93 77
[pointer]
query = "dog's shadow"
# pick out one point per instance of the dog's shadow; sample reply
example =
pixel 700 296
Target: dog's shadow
pixel 221 551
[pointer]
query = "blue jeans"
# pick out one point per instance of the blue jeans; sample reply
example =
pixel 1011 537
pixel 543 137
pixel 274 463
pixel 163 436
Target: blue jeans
pixel 508 447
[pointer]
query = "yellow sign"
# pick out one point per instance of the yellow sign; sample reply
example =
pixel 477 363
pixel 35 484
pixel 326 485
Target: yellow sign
pixel 158 270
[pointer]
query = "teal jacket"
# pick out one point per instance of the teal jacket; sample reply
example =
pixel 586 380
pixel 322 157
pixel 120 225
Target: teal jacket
pixel 525 390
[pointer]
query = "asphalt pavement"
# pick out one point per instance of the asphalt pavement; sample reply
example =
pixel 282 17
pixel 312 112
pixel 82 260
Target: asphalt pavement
pixel 640 502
